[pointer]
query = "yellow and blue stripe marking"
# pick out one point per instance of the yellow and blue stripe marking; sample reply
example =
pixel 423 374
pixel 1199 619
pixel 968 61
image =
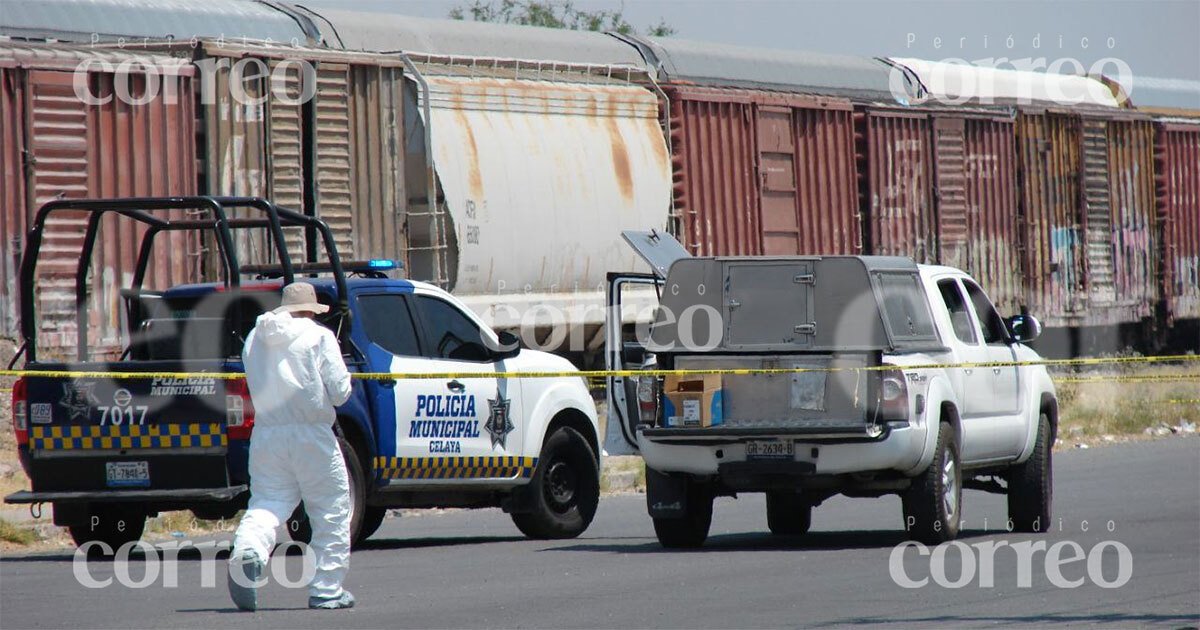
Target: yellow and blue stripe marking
pixel 79 437
pixel 455 467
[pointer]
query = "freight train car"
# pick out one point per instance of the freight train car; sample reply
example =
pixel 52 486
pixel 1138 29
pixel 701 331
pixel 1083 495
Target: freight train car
pixel 532 149
pixel 452 145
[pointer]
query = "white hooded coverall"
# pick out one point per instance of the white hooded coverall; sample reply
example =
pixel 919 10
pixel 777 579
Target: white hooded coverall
pixel 296 376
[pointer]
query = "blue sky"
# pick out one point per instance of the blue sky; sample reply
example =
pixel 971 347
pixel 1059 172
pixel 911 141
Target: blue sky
pixel 1154 37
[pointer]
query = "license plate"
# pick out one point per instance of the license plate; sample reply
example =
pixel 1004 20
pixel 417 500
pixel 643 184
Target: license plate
pixel 770 449
pixel 128 473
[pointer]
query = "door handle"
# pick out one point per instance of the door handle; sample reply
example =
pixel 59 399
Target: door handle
pixel 968 371
pixel 995 370
pixel 456 387
pixel 387 382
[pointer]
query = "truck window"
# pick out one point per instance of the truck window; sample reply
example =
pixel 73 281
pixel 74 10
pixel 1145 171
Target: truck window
pixel 905 306
pixel 960 318
pixel 989 319
pixel 388 324
pixel 449 334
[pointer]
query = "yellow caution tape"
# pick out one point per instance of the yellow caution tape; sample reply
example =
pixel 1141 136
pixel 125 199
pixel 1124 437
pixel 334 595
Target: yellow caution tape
pixel 1126 378
pixel 388 376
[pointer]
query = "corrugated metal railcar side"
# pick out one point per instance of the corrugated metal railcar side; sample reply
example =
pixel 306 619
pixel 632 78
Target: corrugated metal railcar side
pixel 975 192
pixel 896 159
pixel 1177 153
pixel 343 164
pixel 137 140
pixel 763 173
pixel 1132 239
pixel 1048 151
pixel 13 210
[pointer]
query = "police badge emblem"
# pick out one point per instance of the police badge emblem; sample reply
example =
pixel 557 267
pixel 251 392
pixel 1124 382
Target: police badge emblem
pixel 498 424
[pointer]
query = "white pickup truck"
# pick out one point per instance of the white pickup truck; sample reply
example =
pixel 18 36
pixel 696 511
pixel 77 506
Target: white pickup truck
pixel 860 375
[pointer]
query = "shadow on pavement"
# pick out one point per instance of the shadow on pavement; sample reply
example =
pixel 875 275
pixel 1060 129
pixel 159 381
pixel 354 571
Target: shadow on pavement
pixel 420 543
pixel 764 541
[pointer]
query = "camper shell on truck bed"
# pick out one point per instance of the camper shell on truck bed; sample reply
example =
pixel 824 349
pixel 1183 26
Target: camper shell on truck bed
pixel 831 314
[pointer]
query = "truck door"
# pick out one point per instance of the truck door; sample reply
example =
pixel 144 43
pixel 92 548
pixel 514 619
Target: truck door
pixel 435 428
pixel 471 426
pixel 973 384
pixel 632 298
pixel 1005 425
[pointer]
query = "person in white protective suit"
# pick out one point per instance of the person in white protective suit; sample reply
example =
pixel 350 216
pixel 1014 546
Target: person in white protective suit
pixel 296 376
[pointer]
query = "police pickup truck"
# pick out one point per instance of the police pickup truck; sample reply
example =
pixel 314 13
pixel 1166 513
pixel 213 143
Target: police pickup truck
pixel 107 451
pixel 818 375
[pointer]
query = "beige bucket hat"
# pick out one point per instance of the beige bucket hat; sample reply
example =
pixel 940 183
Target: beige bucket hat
pixel 300 296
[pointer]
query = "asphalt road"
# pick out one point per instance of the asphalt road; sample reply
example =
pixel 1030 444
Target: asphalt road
pixel 472 569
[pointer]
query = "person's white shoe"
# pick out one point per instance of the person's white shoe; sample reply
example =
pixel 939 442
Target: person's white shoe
pixel 244 589
pixel 332 603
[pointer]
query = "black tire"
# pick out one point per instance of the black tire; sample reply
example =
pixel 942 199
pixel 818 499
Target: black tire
pixel 565 488
pixel 933 504
pixel 1031 485
pixel 372 518
pixel 113 524
pixel 298 525
pixel 691 529
pixel 788 513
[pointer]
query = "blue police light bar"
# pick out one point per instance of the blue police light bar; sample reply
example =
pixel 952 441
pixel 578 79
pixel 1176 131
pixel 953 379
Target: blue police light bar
pixel 381 264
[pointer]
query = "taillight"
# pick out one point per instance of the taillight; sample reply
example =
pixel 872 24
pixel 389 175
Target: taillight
pixel 239 410
pixel 893 396
pixel 647 399
pixel 20 412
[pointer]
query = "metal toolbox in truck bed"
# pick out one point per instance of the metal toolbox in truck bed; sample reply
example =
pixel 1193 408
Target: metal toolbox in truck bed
pixel 785 304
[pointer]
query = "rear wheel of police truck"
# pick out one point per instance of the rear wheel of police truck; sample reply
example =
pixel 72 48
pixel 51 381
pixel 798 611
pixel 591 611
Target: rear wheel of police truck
pixel 114 524
pixel 565 489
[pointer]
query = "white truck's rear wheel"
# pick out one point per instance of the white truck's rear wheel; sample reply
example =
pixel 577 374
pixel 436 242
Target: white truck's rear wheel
pixel 932 504
pixel 690 529
pixel 788 513
pixel 1031 485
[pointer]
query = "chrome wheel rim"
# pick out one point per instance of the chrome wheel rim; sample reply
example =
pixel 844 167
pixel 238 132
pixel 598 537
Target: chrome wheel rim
pixel 950 487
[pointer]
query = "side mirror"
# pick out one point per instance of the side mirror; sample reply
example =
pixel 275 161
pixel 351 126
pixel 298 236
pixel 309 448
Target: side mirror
pixel 510 345
pixel 1024 328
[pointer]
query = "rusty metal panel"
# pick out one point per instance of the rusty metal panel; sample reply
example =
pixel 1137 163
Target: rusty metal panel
pixel 1097 215
pixel 990 188
pixel 377 140
pixel 950 166
pixel 236 159
pixel 1177 153
pixel 827 181
pixel 763 173
pixel 120 147
pixel 1133 241
pixel 332 154
pixel 899 187
pixel 713 160
pixel 570 163
pixel 1049 148
pixel 285 142
pixel 14 217
pixel 777 181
